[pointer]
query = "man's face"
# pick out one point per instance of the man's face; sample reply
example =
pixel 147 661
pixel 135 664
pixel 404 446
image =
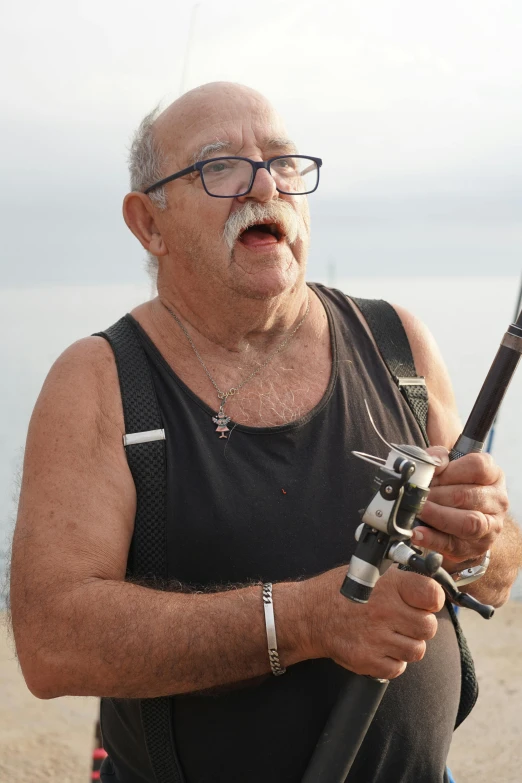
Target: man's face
pixel 256 264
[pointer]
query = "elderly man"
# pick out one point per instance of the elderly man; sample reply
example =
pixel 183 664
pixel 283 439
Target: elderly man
pixel 260 380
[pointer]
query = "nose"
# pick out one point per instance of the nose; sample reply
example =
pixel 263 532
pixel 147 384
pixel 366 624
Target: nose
pixel 263 188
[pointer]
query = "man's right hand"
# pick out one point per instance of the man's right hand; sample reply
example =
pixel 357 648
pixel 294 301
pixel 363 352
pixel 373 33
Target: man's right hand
pixel 378 638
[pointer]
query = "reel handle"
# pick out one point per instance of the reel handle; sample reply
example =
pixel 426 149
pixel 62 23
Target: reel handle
pixel 431 566
pixel 462 599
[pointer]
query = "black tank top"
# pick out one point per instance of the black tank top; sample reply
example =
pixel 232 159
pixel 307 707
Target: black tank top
pixel 279 503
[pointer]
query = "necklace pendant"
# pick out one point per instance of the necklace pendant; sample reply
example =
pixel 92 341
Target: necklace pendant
pixel 221 420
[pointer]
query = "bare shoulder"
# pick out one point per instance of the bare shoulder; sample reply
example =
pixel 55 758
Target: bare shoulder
pixel 84 378
pixel 443 419
pixel 77 501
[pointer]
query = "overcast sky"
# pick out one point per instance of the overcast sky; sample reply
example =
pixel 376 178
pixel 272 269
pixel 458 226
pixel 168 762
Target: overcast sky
pixel 414 106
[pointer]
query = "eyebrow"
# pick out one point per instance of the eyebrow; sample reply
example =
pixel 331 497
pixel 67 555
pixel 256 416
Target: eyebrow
pixel 215 147
pixel 210 149
pixel 278 142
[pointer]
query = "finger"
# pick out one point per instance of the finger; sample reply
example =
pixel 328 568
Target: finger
pixel 389 668
pixel 470 469
pixel 489 500
pixel 451 547
pixel 468 524
pixel 418 624
pixel 440 454
pixel 421 593
pixel 403 648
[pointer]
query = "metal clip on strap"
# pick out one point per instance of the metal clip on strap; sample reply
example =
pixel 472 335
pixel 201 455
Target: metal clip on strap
pixel 417 381
pixel 143 437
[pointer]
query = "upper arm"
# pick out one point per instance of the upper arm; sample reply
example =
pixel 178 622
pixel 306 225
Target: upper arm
pixel 443 419
pixel 77 503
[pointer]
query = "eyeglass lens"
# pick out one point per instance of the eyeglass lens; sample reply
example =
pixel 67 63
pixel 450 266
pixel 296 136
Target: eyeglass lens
pixel 233 177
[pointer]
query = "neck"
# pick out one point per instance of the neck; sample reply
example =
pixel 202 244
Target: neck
pixel 278 359
pixel 232 322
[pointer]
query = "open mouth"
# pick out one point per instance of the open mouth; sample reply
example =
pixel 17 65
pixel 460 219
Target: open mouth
pixel 261 234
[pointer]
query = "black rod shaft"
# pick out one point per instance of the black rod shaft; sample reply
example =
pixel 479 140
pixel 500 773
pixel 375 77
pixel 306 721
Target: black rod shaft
pixel 492 392
pixel 345 729
pixel 491 395
pixel 518 312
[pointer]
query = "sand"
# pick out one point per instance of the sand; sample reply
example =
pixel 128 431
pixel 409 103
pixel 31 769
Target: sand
pixel 53 740
pixel 488 745
pixel 41 740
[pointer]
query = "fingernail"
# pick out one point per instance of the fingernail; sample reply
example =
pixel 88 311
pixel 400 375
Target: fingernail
pixel 437 460
pixel 417 535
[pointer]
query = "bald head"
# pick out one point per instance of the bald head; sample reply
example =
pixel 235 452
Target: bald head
pixel 206 99
pixel 215 118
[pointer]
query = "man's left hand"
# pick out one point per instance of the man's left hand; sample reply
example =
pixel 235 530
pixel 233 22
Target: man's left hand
pixel 465 509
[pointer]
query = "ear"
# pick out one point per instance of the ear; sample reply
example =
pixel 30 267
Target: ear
pixel 138 213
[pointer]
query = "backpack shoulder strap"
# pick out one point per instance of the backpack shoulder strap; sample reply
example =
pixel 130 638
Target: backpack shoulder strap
pixel 144 443
pixel 394 347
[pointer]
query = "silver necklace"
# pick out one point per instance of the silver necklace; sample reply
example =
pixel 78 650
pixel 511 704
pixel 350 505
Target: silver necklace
pixel 221 419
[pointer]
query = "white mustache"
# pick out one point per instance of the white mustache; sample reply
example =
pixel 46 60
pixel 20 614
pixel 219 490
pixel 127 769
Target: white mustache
pixel 253 212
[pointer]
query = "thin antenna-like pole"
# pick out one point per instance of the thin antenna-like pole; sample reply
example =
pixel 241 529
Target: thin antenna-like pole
pixel 332 272
pixel 190 39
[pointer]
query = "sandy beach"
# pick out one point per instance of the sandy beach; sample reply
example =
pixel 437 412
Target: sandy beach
pixel 488 745
pixel 52 740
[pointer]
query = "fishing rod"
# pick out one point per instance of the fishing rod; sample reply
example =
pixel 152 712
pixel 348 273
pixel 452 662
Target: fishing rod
pixel 382 536
pixel 491 436
pixel 519 302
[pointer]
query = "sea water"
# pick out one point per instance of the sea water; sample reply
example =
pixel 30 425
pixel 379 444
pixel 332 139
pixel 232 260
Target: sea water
pixel 467 317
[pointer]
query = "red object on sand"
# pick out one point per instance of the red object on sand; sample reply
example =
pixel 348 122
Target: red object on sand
pixel 98 754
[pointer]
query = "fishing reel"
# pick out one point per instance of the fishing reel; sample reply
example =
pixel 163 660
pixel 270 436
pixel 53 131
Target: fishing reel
pixel 401 487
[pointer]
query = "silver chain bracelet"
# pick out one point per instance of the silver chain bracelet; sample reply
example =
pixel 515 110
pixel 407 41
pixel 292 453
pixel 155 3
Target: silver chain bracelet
pixel 271 637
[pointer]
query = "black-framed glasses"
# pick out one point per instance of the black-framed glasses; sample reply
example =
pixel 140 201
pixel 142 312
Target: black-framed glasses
pixel 230 177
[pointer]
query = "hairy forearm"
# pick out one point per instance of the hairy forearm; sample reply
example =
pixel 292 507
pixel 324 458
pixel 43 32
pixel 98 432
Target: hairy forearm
pixel 506 560
pixel 109 638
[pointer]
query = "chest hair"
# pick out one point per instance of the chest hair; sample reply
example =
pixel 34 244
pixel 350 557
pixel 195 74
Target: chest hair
pixel 282 396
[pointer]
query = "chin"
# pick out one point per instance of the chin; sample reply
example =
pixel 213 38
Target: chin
pixel 267 281
pixel 265 276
